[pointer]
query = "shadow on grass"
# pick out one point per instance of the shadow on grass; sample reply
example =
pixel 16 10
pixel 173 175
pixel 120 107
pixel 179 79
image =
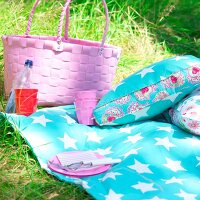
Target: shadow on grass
pixel 176 23
pixel 40 189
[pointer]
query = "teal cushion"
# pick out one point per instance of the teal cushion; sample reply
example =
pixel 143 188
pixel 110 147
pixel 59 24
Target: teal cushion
pixel 149 92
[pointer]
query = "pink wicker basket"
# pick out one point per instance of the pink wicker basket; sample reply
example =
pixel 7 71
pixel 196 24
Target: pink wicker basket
pixel 62 65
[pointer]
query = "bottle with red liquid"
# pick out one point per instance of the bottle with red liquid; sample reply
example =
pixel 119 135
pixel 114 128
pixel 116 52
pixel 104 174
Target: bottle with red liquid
pixel 21 94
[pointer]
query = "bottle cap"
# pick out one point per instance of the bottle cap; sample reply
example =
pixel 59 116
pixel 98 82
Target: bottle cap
pixel 29 63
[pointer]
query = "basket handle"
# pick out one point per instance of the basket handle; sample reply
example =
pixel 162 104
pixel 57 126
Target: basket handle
pixel 65 10
pixel 28 28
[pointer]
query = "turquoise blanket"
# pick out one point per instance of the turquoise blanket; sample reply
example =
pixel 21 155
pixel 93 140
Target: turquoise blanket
pixel 159 161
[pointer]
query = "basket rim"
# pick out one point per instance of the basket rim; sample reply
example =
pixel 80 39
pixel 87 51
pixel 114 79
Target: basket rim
pixel 76 41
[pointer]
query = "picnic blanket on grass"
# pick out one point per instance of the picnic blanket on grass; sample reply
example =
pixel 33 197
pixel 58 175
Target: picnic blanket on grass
pixel 159 160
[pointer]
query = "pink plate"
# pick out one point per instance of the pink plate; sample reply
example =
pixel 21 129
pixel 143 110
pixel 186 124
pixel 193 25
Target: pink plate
pixel 54 161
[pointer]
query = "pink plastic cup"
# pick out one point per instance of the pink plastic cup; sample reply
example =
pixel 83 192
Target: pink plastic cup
pixel 85 116
pixel 85 103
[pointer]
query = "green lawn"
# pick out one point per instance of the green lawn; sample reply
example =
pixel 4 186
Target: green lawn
pixel 147 31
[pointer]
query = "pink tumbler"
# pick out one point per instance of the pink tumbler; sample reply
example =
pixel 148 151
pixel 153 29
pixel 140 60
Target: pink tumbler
pixel 85 102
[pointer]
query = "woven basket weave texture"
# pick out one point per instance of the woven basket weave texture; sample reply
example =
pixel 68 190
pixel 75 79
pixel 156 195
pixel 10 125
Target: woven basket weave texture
pixel 61 65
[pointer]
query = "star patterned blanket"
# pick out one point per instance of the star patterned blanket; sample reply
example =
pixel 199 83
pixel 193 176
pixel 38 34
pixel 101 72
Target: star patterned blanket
pixel 159 161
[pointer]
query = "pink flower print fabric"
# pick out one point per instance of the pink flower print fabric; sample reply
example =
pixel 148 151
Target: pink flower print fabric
pixel 144 93
pixel 160 96
pixel 111 114
pixel 123 100
pixel 135 106
pixel 186 114
pixel 174 81
pixel 194 74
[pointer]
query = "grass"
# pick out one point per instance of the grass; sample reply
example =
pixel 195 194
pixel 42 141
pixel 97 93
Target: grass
pixel 147 31
pixel 21 176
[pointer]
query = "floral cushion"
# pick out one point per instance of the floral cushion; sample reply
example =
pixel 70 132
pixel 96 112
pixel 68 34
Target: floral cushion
pixel 150 91
pixel 186 114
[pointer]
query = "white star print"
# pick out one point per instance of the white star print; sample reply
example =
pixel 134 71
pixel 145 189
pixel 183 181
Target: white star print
pixel 173 97
pixel 42 164
pixel 145 71
pixel 113 196
pixel 198 158
pixel 104 151
pixel 140 168
pixel 193 63
pixel 164 142
pixel 162 78
pixel 68 141
pixel 194 141
pixel 92 136
pixel 165 128
pixel 78 181
pixel 44 147
pixel 134 139
pixel 41 120
pixel 157 198
pixel 126 129
pixel 177 58
pixel 174 180
pixel 144 187
pixel 37 142
pixel 85 184
pixel 69 119
pixel 116 87
pixel 186 196
pixel 174 165
pixel 111 175
pixel 141 114
pixel 131 152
